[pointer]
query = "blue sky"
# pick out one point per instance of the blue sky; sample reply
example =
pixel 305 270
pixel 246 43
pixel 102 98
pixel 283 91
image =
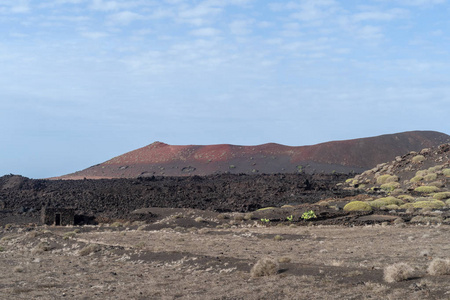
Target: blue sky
pixel 82 81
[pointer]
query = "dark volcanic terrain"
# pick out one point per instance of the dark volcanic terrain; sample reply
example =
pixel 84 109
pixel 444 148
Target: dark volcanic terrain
pixel 21 198
pixel 159 159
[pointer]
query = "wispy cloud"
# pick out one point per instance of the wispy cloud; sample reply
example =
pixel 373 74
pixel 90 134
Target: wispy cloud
pixel 206 32
pixel 124 17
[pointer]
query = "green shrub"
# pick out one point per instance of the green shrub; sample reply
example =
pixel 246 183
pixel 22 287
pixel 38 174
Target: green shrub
pixel 390 186
pixel 446 172
pixel 430 177
pixel 427 189
pixel 407 206
pixel 392 207
pixel 386 178
pixel 433 204
pixel 308 215
pixel 422 173
pixel 438 184
pixel 416 179
pixel 406 197
pixel 441 196
pixel 418 159
pixel 357 206
pixel 378 203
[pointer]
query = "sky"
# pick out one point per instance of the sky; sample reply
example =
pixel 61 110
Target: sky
pixel 82 81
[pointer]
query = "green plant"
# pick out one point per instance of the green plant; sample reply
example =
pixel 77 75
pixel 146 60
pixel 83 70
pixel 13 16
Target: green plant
pixel 441 196
pixel 430 177
pixel 434 204
pixel 290 218
pixel 427 189
pixel 264 220
pixel 307 215
pixel 390 186
pixel 446 172
pixel 357 206
pixel 416 179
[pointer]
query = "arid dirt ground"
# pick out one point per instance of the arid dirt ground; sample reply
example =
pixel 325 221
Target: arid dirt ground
pixel 192 254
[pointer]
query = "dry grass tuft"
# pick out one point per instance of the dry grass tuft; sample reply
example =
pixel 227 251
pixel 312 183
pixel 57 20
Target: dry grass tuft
pixel 439 266
pixel 398 272
pixel 266 266
pixel 91 248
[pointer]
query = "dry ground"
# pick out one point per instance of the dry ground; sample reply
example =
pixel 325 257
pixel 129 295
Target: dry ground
pixel 205 262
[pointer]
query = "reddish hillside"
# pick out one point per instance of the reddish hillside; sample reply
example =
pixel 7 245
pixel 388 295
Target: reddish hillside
pixel 340 156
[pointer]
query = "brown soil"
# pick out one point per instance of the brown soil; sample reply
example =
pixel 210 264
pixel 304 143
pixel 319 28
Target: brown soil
pixel 208 262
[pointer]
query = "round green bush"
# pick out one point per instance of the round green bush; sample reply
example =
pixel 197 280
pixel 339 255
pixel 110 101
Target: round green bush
pixel 430 177
pixel 427 189
pixel 386 178
pixel 434 204
pixel 390 186
pixel 416 179
pixel 357 206
pixel 441 196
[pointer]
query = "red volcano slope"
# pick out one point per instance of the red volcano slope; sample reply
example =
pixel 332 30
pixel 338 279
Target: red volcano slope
pixel 356 155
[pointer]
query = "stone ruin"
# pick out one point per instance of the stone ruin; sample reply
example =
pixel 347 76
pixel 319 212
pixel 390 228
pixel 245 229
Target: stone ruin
pixel 58 216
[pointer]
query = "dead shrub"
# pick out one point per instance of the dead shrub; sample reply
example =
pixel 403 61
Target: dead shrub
pixel 91 248
pixel 398 272
pixel 439 266
pixel 266 266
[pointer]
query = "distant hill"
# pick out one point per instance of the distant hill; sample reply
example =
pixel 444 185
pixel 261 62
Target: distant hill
pixel 357 155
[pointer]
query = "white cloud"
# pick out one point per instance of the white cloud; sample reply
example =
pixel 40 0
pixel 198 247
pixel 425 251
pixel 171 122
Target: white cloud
pixel 125 17
pixel 206 31
pixel 374 15
pixel 22 6
pixel 241 27
pixel 421 2
pixel 370 33
pixel 94 35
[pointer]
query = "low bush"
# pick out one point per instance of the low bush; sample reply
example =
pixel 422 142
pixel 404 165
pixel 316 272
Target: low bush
pixel 398 272
pixel 378 203
pixel 91 248
pixel 418 159
pixel 433 204
pixel 390 186
pixel 439 266
pixel 441 196
pixel 386 178
pixel 406 198
pixel 446 172
pixel 427 189
pixel 266 266
pixel 357 206
pixel 430 177
pixel 416 179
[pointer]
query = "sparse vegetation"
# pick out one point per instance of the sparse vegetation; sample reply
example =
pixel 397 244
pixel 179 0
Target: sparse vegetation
pixel 441 196
pixel 91 248
pixel 418 159
pixel 433 204
pixel 266 266
pixel 446 172
pixel 439 266
pixel 357 206
pixel 307 215
pixel 426 189
pixel 398 272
